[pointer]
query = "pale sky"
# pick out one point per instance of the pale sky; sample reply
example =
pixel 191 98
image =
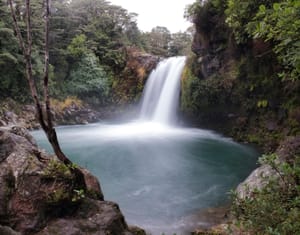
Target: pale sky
pixel 152 13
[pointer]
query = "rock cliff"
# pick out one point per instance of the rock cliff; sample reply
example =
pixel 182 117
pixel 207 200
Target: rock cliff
pixel 234 88
pixel 40 195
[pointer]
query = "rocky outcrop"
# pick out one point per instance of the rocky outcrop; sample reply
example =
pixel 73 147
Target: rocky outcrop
pixel 74 113
pixel 287 151
pixel 12 113
pixel 40 195
pixel 255 181
pixel 129 87
pixel 92 217
pixel 65 112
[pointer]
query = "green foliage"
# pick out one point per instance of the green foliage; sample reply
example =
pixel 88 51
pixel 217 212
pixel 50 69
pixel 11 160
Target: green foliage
pixel 63 177
pixel 12 76
pixel 157 41
pixel 92 33
pixel 280 24
pixel 88 79
pixel 57 169
pixel 262 104
pixel 106 27
pixel 77 29
pixel 160 41
pixel 78 195
pixel 275 209
pixel 272 21
pixel 189 85
pixel 204 13
pixel 239 16
pixel 78 47
pixel 203 94
pixel 61 195
pixel 180 44
pixel 57 196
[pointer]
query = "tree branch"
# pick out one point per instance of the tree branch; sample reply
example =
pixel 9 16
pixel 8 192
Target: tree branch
pixel 46 66
pixel 26 51
pixel 47 125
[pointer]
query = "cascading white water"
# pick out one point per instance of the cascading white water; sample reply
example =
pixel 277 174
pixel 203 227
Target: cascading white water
pixel 161 93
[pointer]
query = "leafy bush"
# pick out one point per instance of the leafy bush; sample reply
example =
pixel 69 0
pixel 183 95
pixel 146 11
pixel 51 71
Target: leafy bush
pixel 88 79
pixel 78 46
pixel 280 24
pixel 276 208
pixel 239 16
pixel 56 169
pixel 272 21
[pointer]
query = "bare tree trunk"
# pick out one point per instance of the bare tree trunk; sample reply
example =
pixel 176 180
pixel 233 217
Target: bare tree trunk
pixel 50 131
pixel 44 118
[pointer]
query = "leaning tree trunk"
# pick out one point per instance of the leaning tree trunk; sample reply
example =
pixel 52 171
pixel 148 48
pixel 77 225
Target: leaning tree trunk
pixel 50 131
pixel 44 118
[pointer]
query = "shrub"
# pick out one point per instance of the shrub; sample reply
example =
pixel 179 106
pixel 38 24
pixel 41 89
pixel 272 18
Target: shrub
pixel 88 79
pixel 276 208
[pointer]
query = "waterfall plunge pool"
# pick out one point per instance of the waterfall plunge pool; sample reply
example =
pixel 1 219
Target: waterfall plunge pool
pixel 159 175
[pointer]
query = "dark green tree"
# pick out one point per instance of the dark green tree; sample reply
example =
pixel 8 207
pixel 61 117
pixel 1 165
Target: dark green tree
pixel 11 82
pixel 180 44
pixel 157 41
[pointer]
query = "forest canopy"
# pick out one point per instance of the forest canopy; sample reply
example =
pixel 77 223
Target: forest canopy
pixel 93 33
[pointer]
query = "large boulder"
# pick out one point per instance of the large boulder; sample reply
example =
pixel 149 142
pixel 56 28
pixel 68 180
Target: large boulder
pixel 92 217
pixel 287 150
pixel 4 230
pixel 257 180
pixel 39 194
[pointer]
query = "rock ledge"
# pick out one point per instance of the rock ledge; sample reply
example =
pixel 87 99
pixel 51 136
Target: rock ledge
pixel 39 195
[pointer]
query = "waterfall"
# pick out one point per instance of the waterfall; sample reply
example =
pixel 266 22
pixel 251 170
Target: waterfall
pixel 161 93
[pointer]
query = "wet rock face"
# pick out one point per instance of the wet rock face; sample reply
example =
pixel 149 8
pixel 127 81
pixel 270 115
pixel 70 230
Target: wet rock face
pixel 31 191
pixel 39 194
pixel 132 79
pixel 93 217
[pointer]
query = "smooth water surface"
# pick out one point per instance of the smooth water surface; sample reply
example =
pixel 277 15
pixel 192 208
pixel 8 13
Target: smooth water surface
pixel 157 174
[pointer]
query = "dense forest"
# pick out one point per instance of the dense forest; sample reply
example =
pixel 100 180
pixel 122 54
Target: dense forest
pixel 90 42
pixel 241 78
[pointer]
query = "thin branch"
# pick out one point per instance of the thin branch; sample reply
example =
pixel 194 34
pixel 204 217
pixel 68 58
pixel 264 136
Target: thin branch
pixel 51 133
pixel 46 66
pixel 16 26
pixel 26 51
pixel 47 125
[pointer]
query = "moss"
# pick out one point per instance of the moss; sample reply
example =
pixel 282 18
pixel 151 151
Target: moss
pixel 93 194
pixel 57 169
pixel 57 196
pixel 254 138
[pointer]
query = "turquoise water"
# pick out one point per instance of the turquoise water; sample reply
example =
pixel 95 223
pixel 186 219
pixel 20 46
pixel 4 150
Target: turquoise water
pixel 158 175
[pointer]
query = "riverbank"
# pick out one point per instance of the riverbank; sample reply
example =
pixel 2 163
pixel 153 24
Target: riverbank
pixel 71 111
